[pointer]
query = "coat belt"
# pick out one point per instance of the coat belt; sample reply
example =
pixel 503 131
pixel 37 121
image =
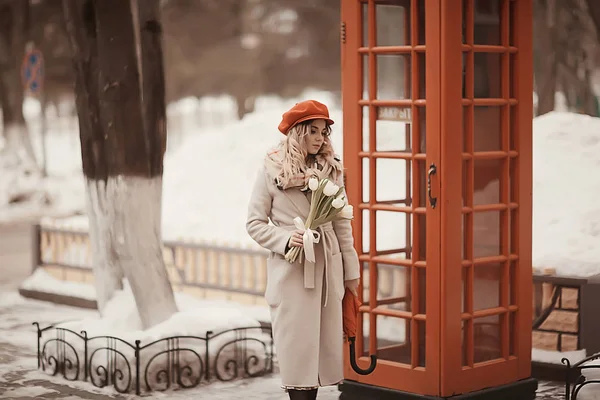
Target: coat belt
pixel 309 267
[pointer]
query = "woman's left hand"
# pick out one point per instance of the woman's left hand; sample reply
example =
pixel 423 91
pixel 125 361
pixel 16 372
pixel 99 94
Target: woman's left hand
pixel 353 286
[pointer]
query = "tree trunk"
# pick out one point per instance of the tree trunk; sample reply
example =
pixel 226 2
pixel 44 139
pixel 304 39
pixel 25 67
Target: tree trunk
pixel 44 133
pixel 13 37
pixel 545 63
pixel 123 153
pixel 594 13
pixel 81 28
pixel 159 303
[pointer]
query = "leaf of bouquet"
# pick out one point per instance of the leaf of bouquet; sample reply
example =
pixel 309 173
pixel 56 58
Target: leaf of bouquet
pixel 314 202
pixel 328 218
pixel 322 203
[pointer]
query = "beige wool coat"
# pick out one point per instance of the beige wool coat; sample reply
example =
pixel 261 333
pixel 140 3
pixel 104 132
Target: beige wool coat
pixel 305 299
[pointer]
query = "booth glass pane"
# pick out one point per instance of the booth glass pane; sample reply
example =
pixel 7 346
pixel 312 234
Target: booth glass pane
pixel 393 339
pixel 393 126
pixel 395 20
pixel 422 121
pixel 422 332
pixel 392 239
pixel 394 287
pixel 487 133
pixel 394 76
pixel 400 171
pixel 419 242
pixel 487 15
pixel 511 333
pixel 421 67
pixel 393 24
pixel 487 76
pixel 366 332
pixel 420 292
pixel 465 342
pixel 365 24
pixel 365 76
pixel 486 286
pixel 365 172
pixel 487 182
pixel 420 185
pixel 486 339
pixel 486 234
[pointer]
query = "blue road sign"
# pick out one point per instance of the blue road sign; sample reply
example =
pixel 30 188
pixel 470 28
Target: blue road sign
pixel 32 71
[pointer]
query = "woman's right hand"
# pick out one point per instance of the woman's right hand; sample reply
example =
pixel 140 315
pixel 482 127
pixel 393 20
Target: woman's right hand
pixel 296 239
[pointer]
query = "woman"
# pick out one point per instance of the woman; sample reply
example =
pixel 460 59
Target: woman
pixel 305 299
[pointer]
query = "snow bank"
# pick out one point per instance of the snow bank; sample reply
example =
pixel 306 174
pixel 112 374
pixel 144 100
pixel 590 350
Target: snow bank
pixel 195 317
pixel 42 281
pixel 555 357
pixel 566 212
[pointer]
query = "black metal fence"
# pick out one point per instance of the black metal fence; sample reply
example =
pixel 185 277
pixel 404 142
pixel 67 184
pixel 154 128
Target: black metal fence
pixel 177 361
pixel 576 380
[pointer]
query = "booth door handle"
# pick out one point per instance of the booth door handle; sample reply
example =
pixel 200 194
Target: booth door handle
pixel 432 171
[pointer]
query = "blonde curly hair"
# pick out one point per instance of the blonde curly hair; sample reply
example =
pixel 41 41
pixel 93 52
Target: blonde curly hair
pixel 297 166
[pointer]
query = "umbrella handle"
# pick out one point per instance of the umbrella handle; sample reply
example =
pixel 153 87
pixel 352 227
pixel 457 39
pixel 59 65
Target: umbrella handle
pixel 353 363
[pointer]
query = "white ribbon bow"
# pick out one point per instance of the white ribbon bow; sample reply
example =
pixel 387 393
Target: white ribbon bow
pixel 309 238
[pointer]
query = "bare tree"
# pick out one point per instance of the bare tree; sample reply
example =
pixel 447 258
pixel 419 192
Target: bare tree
pixel 565 49
pixel 545 63
pixel 13 39
pixel 576 48
pixel 121 108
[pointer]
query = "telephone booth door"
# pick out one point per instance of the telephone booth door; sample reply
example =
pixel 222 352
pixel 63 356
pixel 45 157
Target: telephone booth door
pixel 437 145
pixel 486 175
pixel 391 104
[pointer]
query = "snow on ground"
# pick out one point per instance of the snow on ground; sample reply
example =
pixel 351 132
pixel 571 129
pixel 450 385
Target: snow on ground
pixel 20 379
pixel 40 279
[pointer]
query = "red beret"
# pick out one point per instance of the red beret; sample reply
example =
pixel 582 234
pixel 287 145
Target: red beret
pixel 303 111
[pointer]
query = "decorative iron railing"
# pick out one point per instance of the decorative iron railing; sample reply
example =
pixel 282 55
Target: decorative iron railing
pixel 182 361
pixel 581 374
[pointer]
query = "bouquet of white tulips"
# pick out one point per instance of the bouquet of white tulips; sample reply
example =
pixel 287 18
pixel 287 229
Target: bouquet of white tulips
pixel 327 204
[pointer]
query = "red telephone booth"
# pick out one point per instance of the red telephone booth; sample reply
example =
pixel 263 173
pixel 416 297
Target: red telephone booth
pixel 437 101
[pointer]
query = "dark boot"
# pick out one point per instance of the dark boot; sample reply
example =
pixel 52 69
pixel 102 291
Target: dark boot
pixel 302 394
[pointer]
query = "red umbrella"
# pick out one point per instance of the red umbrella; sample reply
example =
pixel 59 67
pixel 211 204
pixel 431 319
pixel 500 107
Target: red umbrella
pixel 350 305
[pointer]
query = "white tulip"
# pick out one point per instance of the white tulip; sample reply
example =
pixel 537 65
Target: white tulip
pixel 347 212
pixel 313 184
pixel 330 189
pixel 338 202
